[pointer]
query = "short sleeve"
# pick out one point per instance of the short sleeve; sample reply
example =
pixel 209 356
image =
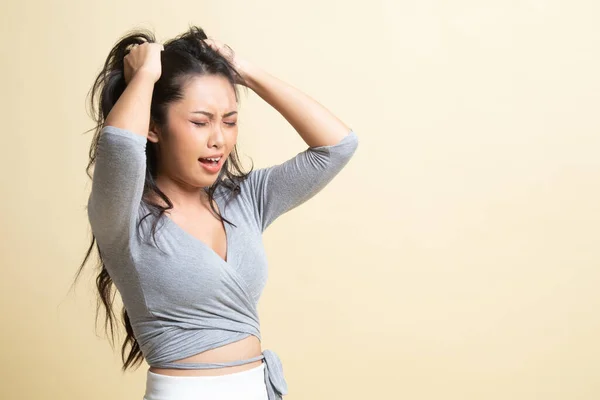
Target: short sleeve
pixel 280 188
pixel 117 184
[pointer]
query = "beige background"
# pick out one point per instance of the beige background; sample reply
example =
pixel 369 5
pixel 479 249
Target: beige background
pixel 456 256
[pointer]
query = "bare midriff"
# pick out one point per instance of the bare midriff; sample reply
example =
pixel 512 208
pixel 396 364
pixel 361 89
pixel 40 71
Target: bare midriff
pixel 249 347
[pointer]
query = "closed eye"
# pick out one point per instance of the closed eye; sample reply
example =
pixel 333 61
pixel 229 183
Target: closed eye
pixel 204 123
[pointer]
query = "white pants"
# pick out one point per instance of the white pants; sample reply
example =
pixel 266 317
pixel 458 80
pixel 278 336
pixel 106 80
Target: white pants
pixel 242 385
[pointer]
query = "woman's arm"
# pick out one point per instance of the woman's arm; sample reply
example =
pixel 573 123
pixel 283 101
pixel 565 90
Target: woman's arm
pixel 280 188
pixel 275 190
pixel 316 124
pixel 132 109
pixel 117 186
pixel 120 165
pixel 142 68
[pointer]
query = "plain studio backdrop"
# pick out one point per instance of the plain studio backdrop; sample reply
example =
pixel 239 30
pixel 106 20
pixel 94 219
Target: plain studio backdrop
pixel 456 256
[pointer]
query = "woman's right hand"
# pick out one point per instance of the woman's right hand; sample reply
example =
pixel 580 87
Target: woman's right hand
pixel 144 58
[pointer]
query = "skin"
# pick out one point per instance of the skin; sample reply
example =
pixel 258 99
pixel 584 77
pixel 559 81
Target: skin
pixel 180 175
pixel 182 178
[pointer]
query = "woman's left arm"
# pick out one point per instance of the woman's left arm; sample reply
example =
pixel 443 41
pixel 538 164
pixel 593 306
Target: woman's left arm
pixel 275 190
pixel 279 188
pixel 316 124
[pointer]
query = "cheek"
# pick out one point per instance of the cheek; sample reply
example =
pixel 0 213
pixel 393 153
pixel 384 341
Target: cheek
pixel 184 152
pixel 189 143
pixel 233 139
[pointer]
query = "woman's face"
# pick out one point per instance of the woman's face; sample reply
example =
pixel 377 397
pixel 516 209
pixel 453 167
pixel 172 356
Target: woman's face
pixel 202 124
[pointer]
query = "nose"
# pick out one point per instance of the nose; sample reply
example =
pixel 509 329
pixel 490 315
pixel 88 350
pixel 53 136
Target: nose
pixel 217 139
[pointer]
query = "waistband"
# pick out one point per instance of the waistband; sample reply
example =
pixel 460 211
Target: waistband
pixel 274 378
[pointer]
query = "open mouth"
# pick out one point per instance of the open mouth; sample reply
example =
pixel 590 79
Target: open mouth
pixel 210 161
pixel 212 165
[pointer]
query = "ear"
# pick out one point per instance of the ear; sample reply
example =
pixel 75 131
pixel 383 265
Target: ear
pixel 153 132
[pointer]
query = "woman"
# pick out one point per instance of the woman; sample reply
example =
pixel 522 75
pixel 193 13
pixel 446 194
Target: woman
pixel 166 179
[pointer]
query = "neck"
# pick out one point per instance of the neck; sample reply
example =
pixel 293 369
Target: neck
pixel 183 196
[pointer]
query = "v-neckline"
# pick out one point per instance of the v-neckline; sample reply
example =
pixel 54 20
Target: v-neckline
pixel 206 246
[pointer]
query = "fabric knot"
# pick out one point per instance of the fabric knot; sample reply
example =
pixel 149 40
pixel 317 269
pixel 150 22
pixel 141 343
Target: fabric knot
pixel 274 378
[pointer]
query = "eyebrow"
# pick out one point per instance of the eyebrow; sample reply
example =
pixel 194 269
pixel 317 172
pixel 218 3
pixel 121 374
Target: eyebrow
pixel 212 115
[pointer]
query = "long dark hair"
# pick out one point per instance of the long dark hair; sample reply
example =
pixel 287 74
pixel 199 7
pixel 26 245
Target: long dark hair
pixel 183 57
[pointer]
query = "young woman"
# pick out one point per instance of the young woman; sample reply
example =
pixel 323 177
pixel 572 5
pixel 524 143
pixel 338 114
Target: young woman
pixel 178 224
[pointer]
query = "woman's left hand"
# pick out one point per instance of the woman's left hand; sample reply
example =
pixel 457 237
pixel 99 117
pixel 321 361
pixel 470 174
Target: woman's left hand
pixel 238 63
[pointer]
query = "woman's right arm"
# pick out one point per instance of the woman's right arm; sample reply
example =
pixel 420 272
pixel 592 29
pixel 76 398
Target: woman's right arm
pixel 142 68
pixel 132 110
pixel 120 165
